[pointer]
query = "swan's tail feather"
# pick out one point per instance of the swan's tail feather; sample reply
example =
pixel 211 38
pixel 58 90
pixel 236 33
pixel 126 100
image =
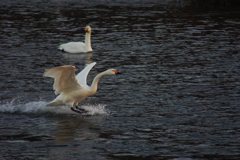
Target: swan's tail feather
pixel 60 48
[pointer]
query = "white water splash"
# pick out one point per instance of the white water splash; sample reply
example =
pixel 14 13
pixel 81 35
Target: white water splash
pixel 39 107
pixel 95 109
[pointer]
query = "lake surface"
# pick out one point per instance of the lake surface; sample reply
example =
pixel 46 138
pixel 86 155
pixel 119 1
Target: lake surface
pixel 178 97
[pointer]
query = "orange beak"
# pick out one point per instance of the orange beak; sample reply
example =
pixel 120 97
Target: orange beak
pixel 87 29
pixel 116 72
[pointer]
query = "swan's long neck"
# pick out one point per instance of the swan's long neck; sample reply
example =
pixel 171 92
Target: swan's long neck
pixel 94 85
pixel 88 41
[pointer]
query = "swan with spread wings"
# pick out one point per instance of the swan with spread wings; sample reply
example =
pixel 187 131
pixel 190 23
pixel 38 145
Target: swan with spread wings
pixel 71 88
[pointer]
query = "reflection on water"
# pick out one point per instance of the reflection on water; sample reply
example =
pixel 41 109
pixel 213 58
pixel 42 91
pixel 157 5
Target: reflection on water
pixel 83 132
pixel 178 96
pixel 78 58
pixel 75 128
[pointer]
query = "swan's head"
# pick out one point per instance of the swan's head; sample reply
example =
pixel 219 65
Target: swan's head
pixel 112 72
pixel 88 29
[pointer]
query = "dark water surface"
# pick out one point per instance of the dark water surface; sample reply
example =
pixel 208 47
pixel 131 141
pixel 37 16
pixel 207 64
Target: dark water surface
pixel 178 97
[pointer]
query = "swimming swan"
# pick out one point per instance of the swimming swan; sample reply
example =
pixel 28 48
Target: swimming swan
pixel 78 47
pixel 71 88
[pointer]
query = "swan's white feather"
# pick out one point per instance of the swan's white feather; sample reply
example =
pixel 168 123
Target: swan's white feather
pixel 64 78
pixel 82 76
pixel 73 47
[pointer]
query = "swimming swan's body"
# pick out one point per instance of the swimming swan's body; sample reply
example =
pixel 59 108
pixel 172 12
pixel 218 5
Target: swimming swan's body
pixel 71 88
pixel 78 47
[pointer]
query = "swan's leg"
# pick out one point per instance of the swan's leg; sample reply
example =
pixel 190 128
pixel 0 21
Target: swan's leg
pixel 75 110
pixel 78 110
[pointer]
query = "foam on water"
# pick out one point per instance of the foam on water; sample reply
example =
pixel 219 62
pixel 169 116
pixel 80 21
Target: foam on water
pixel 38 107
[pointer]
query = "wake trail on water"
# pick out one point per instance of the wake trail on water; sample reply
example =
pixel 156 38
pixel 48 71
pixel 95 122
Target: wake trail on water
pixel 39 107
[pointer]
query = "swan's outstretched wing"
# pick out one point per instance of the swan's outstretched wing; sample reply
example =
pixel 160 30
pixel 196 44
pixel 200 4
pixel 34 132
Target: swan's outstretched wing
pixel 64 78
pixel 82 76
